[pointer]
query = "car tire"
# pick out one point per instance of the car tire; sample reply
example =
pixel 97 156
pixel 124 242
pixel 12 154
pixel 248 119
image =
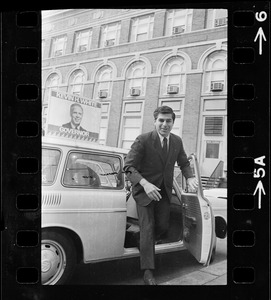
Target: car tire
pixel 58 257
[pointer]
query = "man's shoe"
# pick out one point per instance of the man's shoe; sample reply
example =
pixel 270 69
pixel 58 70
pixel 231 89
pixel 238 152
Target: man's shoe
pixel 148 278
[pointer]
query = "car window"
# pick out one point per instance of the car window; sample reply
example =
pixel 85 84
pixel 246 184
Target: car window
pixel 93 171
pixel 181 180
pixel 50 161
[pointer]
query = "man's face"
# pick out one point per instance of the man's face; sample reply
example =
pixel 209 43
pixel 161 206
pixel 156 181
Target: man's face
pixel 76 115
pixel 164 124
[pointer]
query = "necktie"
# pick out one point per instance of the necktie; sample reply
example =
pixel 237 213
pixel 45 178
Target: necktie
pixel 164 148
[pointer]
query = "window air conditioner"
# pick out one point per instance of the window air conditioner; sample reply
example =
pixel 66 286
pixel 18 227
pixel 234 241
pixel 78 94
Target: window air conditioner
pixel 58 52
pixel 134 92
pixel 220 22
pixel 110 42
pixel 172 89
pixel 178 29
pixel 217 86
pixel 82 48
pixel 102 94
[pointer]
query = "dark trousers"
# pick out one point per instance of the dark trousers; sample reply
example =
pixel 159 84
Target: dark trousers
pixel 154 223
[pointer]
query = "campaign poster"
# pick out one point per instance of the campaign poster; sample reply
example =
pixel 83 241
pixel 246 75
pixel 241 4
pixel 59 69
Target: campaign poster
pixel 74 117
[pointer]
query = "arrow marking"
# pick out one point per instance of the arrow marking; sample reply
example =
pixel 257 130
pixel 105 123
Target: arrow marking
pixel 260 35
pixel 259 188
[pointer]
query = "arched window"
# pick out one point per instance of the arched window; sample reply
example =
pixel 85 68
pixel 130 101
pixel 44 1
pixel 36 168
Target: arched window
pixel 215 72
pixel 76 83
pixel 103 82
pixel 136 79
pixel 51 84
pixel 173 76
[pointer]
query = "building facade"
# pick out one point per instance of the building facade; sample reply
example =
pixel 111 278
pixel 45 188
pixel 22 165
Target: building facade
pixel 133 60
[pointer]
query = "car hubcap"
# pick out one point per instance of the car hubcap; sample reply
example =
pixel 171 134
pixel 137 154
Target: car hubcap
pixel 53 262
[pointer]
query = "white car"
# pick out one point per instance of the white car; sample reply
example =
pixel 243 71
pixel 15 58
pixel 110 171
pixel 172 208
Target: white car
pixel 218 199
pixel 89 214
pixel 216 192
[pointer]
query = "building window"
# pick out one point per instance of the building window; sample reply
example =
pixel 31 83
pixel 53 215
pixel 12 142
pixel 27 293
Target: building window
pixel 76 83
pixel 215 73
pixel 173 77
pixel 83 40
pixel 142 28
pixel 212 149
pixel 213 126
pixel 136 79
pixel 217 18
pixel 104 123
pixel 178 21
pixel 59 46
pixel 103 82
pixel 110 35
pixel 51 84
pixel 131 123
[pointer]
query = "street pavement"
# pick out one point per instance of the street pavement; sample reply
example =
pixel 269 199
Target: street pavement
pixel 176 268
pixel 215 274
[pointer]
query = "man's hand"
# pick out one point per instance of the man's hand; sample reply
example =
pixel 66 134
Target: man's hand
pixel 151 190
pixel 193 183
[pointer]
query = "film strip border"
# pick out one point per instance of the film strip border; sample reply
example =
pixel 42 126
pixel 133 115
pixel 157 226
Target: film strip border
pixel 21 151
pixel 248 152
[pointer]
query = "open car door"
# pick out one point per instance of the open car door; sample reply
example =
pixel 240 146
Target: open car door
pixel 198 220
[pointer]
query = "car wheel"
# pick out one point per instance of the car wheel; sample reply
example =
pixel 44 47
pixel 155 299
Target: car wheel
pixel 58 258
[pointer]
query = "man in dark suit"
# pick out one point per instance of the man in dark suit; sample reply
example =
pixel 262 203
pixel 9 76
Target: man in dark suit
pixel 149 166
pixel 76 113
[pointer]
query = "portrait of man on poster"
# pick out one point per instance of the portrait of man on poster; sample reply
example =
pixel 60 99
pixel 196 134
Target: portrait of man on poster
pixel 76 114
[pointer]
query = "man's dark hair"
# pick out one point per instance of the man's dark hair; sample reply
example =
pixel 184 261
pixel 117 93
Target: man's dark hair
pixel 164 110
pixel 75 104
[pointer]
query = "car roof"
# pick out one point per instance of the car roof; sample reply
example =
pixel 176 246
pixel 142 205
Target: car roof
pixel 86 145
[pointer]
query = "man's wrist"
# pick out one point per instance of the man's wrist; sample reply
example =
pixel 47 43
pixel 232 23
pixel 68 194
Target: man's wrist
pixel 143 182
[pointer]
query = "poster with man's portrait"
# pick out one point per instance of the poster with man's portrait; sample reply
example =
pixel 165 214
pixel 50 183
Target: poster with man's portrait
pixel 71 116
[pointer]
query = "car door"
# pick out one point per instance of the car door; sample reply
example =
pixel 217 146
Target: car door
pixel 198 219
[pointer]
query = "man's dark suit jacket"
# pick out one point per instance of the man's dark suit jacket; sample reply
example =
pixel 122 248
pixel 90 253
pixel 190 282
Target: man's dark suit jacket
pixel 69 125
pixel 145 160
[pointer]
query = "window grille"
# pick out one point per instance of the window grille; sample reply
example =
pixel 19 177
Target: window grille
pixel 213 126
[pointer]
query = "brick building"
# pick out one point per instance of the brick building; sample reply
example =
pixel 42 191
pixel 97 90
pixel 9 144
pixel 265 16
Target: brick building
pixel 133 60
